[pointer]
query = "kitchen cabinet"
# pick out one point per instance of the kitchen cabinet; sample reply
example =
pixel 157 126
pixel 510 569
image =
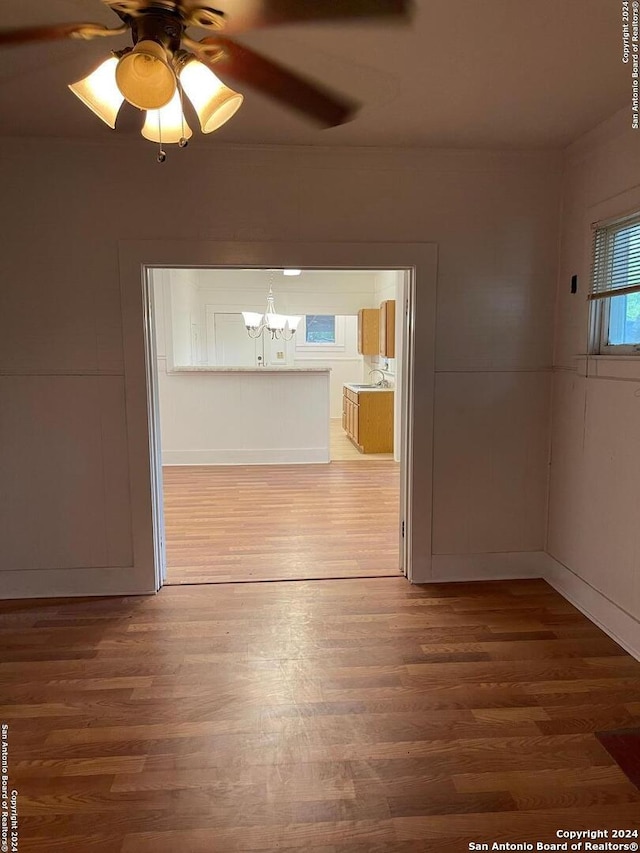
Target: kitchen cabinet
pixel 367 419
pixel 350 415
pixel 387 334
pixel 368 331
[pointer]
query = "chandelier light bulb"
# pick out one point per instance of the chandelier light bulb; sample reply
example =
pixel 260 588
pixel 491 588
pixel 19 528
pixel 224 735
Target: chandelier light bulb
pixel 145 77
pixel 99 91
pixel 214 102
pixel 167 124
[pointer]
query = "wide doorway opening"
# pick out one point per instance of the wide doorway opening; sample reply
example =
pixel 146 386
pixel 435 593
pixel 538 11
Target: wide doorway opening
pixel 281 441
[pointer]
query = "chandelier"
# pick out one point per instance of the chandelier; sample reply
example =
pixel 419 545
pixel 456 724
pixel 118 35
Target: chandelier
pixel 279 326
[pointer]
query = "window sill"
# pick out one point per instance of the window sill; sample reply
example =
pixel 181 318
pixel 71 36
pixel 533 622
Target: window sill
pixel 608 366
pixel 623 356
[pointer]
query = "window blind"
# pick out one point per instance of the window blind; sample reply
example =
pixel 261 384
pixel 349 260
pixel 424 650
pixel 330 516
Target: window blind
pixel 616 259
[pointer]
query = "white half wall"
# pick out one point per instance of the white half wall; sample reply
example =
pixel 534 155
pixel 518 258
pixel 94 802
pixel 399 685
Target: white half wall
pixel 252 417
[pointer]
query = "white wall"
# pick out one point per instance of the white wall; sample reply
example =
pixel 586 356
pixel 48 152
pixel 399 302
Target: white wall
pixel 66 206
pixel 595 471
pixel 177 317
pixel 182 297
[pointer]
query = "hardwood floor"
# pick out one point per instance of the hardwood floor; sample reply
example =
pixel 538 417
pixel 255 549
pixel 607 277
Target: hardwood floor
pixel 341 448
pixel 281 522
pixel 352 716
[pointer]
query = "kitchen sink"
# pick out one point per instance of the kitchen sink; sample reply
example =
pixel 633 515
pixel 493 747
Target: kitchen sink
pixel 369 387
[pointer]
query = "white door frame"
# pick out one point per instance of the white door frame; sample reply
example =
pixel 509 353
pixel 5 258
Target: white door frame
pixel 140 381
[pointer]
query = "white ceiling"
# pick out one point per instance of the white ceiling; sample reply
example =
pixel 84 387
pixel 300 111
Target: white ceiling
pixel 465 73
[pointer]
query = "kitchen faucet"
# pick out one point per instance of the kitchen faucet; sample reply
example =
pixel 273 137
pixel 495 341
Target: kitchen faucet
pixel 382 382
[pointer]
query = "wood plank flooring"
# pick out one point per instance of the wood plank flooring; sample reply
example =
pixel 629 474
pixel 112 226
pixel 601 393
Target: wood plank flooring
pixel 281 522
pixel 351 716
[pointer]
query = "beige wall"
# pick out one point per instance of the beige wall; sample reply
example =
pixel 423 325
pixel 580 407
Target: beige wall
pixel 594 513
pixel 66 205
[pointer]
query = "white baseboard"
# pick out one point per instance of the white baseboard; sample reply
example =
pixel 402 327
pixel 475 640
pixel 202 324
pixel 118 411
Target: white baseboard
pixel 513 565
pixel 617 623
pixel 70 583
pixel 241 456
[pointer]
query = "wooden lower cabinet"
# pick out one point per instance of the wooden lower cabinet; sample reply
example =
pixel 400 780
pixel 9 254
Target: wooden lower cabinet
pixel 367 419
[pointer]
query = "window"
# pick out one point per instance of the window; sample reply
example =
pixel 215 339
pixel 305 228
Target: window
pixel 321 336
pixel 615 289
pixel 624 320
pixel 320 329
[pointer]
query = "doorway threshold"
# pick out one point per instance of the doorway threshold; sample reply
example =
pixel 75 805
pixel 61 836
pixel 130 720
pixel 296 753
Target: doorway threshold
pixel 390 574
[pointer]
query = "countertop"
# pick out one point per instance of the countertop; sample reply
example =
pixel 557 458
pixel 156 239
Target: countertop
pixel 360 388
pixel 203 368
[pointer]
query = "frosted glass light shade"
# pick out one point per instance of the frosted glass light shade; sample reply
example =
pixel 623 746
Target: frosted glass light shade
pixel 276 322
pixel 167 124
pixel 99 91
pixel 252 320
pixel 145 77
pixel 293 323
pixel 214 102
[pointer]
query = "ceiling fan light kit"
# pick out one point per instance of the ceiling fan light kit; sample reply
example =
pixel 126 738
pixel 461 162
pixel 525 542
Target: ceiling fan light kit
pixel 167 124
pixel 99 91
pixel 214 102
pixel 145 77
pixel 154 73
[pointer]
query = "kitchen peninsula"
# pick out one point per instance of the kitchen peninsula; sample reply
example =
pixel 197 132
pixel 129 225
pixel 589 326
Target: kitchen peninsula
pixel 244 415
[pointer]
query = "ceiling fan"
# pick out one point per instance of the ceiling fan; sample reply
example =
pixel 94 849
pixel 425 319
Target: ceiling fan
pixel 165 62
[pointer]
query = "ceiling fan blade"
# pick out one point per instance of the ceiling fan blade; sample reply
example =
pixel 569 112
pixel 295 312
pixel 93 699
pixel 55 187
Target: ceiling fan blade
pixel 228 58
pixel 273 12
pixel 57 32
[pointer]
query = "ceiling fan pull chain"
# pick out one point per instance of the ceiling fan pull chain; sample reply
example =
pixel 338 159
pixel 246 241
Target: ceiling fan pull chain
pixel 162 156
pixel 183 141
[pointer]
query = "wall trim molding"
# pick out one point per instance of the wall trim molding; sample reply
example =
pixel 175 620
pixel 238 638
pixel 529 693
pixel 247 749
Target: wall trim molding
pixel 244 456
pixel 612 619
pixel 70 583
pixel 138 257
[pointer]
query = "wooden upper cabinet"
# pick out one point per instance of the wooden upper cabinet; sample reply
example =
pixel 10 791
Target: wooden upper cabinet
pixel 368 331
pixel 388 328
